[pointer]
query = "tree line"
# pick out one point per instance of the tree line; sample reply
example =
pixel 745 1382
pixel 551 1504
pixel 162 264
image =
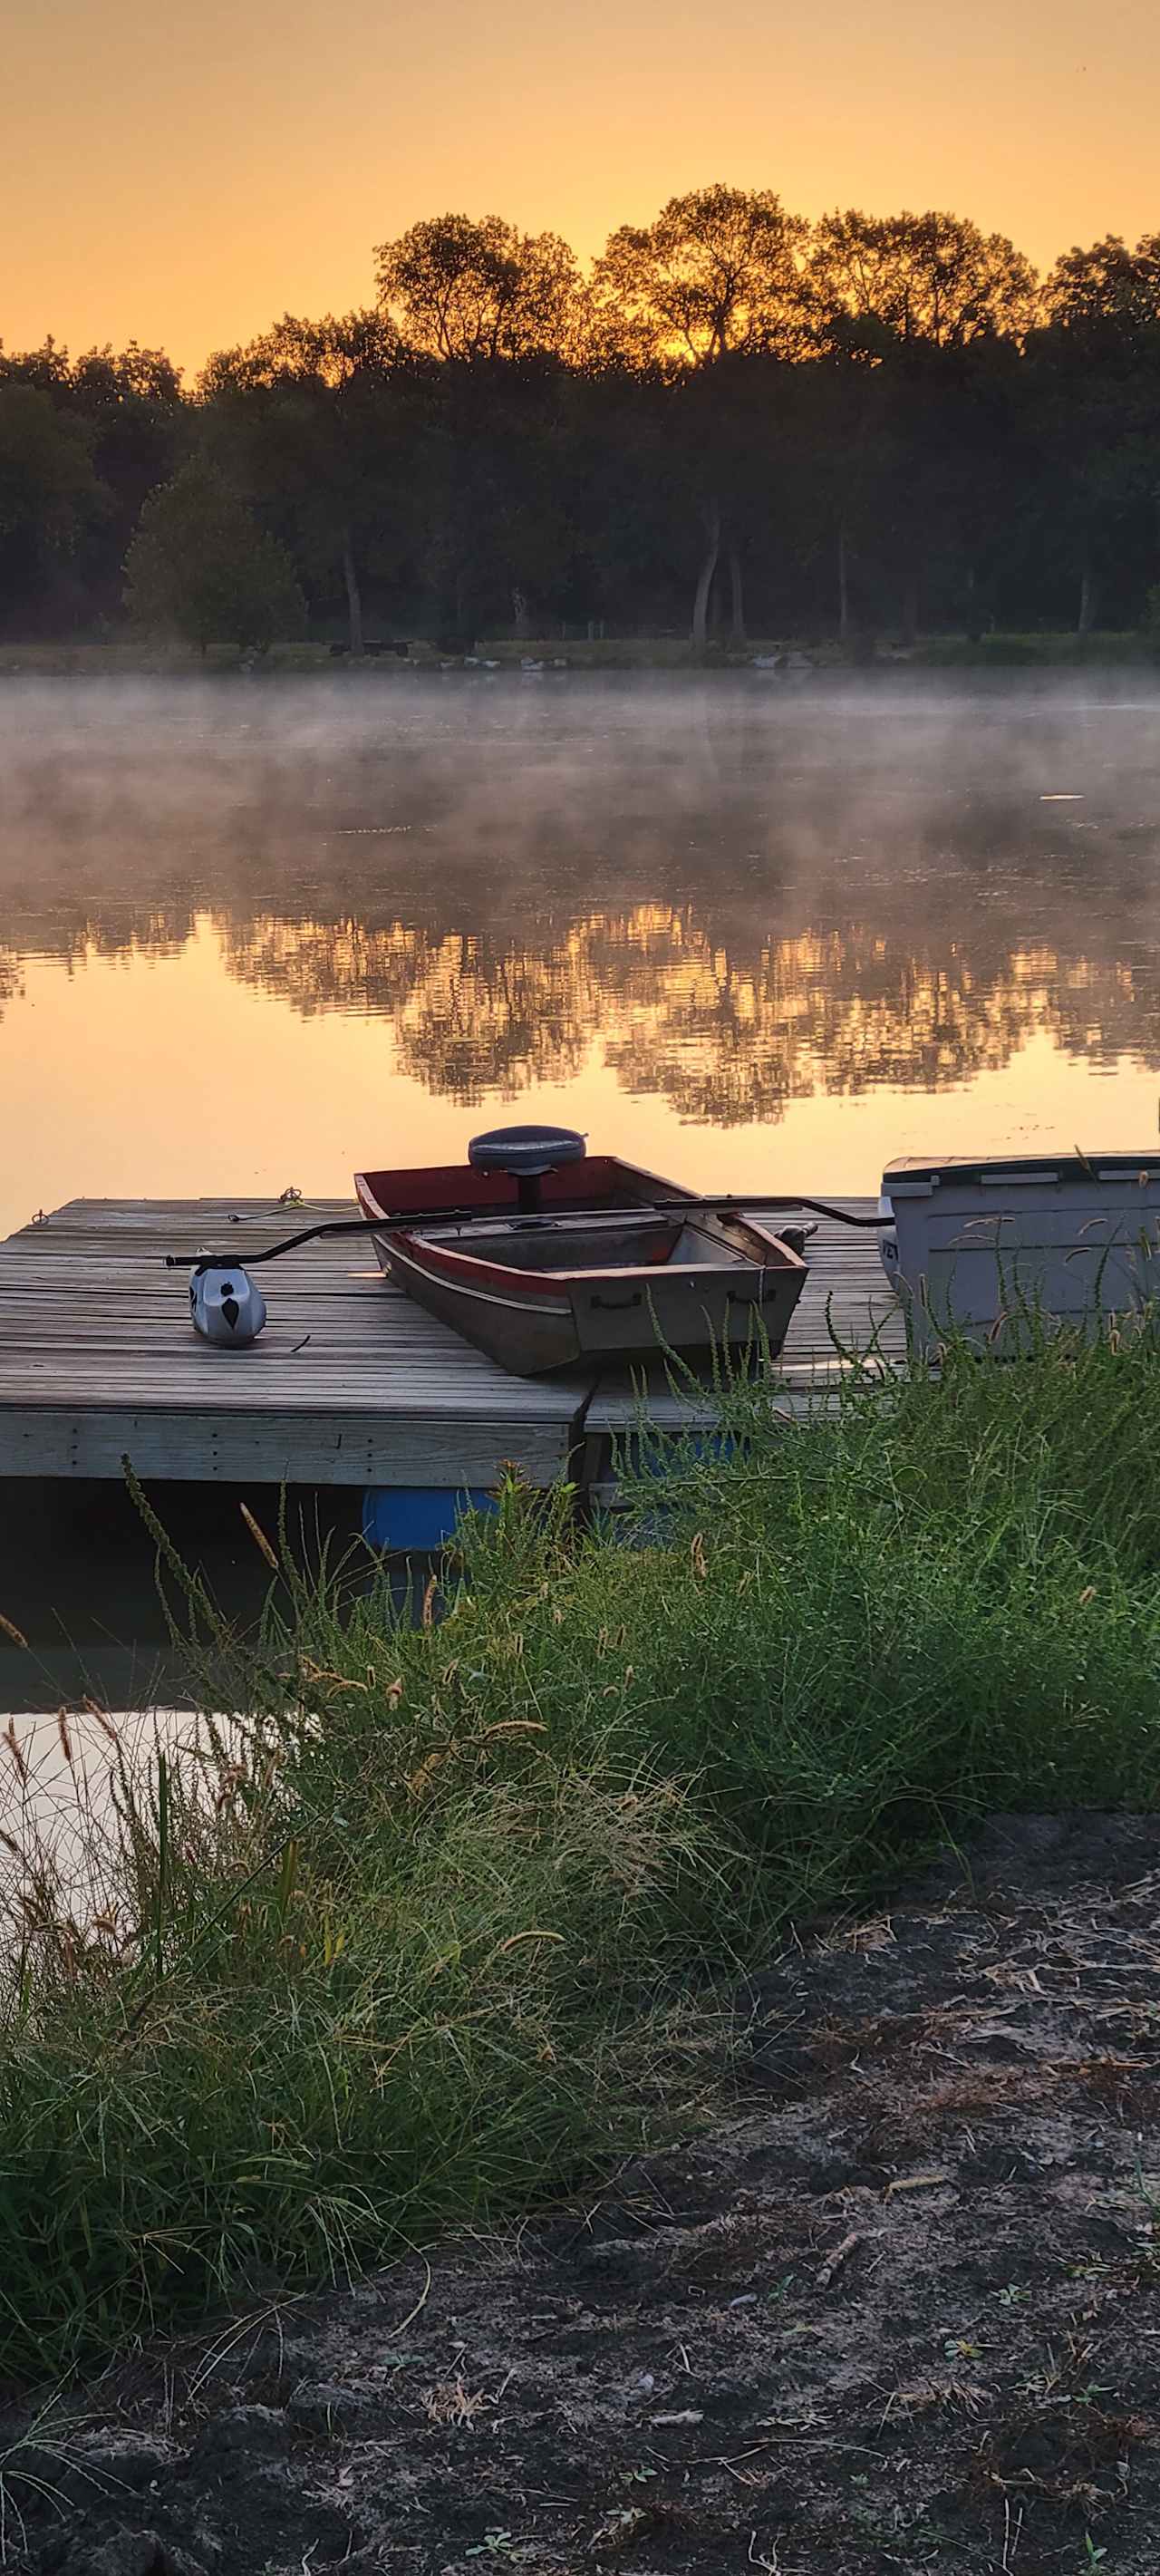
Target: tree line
pixel 736 421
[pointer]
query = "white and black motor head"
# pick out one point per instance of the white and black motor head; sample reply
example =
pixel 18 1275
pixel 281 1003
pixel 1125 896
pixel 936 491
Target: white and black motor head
pixel 225 1305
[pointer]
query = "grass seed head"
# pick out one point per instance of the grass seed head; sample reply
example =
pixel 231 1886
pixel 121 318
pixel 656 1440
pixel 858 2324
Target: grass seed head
pixel 16 1750
pixel 259 1537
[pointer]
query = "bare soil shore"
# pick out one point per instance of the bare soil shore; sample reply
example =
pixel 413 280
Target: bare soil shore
pixel 898 2310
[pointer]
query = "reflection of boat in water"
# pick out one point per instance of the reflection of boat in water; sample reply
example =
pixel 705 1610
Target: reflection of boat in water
pixel 544 1255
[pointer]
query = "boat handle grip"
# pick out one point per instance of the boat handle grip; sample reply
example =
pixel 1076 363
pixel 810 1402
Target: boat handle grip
pixel 614 1305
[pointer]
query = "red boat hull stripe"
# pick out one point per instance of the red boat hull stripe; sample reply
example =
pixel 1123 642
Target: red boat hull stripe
pixel 486 1281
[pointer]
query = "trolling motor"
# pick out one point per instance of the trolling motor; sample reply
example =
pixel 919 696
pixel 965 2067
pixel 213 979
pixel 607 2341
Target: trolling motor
pixel 224 1305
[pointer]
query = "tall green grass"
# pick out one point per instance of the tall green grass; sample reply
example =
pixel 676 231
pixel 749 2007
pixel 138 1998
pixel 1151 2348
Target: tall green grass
pixel 429 1926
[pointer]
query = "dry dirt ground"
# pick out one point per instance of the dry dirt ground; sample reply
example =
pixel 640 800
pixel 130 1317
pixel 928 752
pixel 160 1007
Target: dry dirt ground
pixel 899 2311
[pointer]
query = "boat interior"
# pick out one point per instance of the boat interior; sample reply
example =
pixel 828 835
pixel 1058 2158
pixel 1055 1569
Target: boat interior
pixel 622 1239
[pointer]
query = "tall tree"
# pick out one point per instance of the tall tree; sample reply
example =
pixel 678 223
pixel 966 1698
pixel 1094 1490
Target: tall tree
pixel 719 270
pixel 319 420
pixel 1095 378
pixel 469 290
pixel 1094 409
pixel 1107 291
pixel 718 275
pixel 499 456
pixel 905 303
pixel 933 278
pixel 130 401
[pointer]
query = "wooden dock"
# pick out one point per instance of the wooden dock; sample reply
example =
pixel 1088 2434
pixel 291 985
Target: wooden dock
pixel 350 1384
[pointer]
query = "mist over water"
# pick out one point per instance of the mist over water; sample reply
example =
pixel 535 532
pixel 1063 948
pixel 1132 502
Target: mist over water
pixel 256 932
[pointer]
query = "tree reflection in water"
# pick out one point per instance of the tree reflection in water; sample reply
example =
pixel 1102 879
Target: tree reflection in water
pixel 732 900
pixel 726 1036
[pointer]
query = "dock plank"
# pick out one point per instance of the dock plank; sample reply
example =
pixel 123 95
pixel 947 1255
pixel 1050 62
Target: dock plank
pixel 351 1383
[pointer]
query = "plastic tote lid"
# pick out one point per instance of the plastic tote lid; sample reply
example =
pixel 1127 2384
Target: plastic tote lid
pixel 914 1176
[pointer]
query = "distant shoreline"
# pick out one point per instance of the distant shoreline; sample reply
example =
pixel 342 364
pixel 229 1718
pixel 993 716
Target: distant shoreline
pixel 769 658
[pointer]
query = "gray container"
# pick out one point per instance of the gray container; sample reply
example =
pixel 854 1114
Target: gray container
pixel 987 1247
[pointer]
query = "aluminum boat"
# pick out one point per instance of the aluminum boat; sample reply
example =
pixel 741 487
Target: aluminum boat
pixel 546 1256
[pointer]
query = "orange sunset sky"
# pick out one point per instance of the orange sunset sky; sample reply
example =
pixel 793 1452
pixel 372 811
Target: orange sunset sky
pixel 185 176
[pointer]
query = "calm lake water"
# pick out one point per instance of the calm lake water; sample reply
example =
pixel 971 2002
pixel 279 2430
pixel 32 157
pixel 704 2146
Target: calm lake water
pixel 256 933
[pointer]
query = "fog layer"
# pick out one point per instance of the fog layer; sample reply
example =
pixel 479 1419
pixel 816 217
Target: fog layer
pixel 256 931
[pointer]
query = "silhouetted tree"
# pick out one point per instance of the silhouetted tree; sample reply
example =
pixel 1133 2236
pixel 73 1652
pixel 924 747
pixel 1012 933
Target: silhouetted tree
pixel 319 421
pixel 719 273
pixel 932 278
pixel 131 402
pixel 720 269
pixel 1107 291
pixel 738 419
pixel 469 290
